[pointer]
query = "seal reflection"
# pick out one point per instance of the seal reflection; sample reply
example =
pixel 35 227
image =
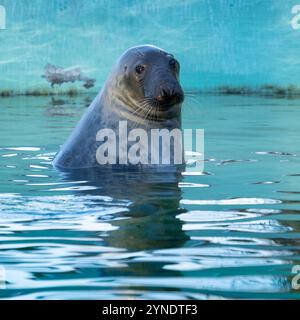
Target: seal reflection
pixel 148 224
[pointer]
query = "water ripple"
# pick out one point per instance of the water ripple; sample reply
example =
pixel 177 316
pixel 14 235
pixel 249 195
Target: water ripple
pixel 235 201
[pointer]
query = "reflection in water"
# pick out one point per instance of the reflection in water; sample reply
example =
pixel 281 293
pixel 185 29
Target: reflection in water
pixel 150 221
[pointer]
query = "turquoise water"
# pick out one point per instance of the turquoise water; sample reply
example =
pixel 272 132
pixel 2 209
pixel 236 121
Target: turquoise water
pixel 232 232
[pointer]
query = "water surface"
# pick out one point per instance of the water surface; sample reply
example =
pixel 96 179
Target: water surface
pixel 232 232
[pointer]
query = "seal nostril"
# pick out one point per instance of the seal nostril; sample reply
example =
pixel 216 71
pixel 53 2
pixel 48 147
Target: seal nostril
pixel 169 93
pixel 165 93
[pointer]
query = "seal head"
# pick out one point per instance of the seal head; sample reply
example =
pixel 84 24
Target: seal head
pixel 146 79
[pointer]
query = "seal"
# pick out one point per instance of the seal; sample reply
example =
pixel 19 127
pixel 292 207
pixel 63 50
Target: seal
pixel 143 89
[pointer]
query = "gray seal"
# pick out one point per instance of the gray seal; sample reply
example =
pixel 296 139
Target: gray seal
pixel 142 89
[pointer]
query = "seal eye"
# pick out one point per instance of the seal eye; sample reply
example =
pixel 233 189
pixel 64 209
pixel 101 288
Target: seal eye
pixel 139 69
pixel 172 63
